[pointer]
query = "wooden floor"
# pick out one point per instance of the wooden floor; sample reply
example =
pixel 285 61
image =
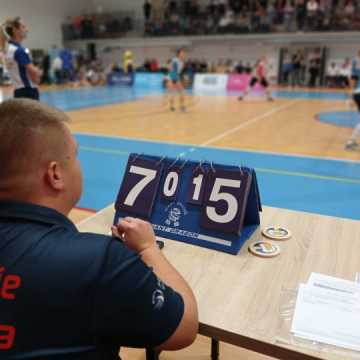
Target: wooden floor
pixel 283 126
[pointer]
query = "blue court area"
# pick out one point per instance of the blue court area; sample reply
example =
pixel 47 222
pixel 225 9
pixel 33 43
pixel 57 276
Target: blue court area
pixel 328 187
pixel 340 118
pixel 83 98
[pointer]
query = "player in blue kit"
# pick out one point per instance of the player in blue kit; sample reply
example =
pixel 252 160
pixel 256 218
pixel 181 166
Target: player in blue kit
pixel 175 83
pixel 24 74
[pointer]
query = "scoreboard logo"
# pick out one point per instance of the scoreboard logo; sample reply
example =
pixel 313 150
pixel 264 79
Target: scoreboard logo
pixel 175 212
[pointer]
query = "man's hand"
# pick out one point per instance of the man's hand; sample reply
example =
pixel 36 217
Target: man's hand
pixel 137 234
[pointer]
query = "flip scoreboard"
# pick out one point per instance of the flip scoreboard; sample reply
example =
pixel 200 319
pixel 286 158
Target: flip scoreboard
pixel 211 205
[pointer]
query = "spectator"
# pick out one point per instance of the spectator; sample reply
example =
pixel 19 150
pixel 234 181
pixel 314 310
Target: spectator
pixel 287 68
pixel 312 8
pixel 154 65
pixel 56 69
pixel 271 13
pixel 349 12
pixel 296 70
pixel 226 23
pixel 345 73
pixel 67 69
pixel 300 7
pixel 242 23
pixel 332 75
pixel 147 7
pixel 288 13
pixel 45 79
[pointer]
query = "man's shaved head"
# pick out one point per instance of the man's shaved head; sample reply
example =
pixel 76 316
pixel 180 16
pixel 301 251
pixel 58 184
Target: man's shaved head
pixel 38 155
pixel 31 134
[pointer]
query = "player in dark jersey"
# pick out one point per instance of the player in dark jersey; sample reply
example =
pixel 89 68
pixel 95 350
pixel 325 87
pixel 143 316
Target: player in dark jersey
pixel 259 76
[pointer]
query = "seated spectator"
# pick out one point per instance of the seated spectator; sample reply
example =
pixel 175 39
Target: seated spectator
pixel 194 8
pixel 221 7
pixel 345 73
pixel 242 23
pixel 288 15
pixel 220 67
pixel 300 11
pixel 174 23
pixel 56 68
pixel 332 75
pixel 271 13
pixel 239 68
pixel 154 65
pixel 226 23
pixel 349 12
pixel 312 8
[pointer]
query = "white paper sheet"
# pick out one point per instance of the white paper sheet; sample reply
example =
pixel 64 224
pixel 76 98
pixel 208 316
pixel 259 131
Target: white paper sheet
pixel 333 283
pixel 328 311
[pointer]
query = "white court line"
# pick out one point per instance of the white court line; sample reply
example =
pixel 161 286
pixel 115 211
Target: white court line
pixel 249 122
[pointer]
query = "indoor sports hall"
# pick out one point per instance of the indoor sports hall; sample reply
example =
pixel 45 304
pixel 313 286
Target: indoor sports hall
pixel 108 65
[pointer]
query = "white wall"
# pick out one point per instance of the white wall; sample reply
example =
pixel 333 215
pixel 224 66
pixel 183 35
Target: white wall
pixel 42 17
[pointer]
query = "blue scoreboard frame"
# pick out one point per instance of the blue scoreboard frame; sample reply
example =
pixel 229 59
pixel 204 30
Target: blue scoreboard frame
pixel 205 204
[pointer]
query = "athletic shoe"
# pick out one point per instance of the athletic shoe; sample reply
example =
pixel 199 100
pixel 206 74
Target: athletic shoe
pixel 351 145
pixel 172 108
pixel 240 98
pixel 183 109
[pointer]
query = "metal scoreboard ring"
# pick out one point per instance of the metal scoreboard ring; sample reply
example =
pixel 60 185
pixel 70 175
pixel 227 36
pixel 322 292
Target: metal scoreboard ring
pixel 264 249
pixel 276 233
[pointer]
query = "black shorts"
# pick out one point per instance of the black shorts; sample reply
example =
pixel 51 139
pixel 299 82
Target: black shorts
pixel 355 77
pixel 262 81
pixel 356 98
pixel 28 93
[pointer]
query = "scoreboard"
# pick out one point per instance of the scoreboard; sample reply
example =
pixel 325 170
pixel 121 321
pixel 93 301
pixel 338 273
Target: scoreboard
pixel 211 205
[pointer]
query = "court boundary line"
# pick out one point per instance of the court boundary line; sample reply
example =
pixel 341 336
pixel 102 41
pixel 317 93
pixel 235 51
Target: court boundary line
pixel 258 169
pixel 329 158
pixel 248 123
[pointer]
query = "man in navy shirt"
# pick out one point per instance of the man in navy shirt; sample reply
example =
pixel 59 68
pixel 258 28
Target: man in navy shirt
pixel 24 74
pixel 71 295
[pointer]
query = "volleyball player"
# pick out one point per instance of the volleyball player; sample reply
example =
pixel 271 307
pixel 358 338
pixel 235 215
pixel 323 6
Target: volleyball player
pixel 355 70
pixel 24 74
pixel 352 144
pixel 175 84
pixel 259 76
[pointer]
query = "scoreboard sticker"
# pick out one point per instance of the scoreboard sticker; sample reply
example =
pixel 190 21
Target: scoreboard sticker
pixel 215 206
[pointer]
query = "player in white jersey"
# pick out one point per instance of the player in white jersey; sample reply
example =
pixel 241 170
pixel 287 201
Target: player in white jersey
pixel 352 143
pixel 24 74
pixel 355 70
pixel 174 82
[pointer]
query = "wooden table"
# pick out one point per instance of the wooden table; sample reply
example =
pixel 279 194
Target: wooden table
pixel 240 296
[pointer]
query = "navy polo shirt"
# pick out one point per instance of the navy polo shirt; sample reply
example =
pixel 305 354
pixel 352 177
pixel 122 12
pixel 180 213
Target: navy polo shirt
pixel 71 295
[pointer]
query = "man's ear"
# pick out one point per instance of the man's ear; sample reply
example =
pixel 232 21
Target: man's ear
pixel 54 176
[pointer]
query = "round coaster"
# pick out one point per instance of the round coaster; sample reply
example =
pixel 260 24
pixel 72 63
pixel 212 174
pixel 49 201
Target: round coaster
pixel 264 249
pixel 277 233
